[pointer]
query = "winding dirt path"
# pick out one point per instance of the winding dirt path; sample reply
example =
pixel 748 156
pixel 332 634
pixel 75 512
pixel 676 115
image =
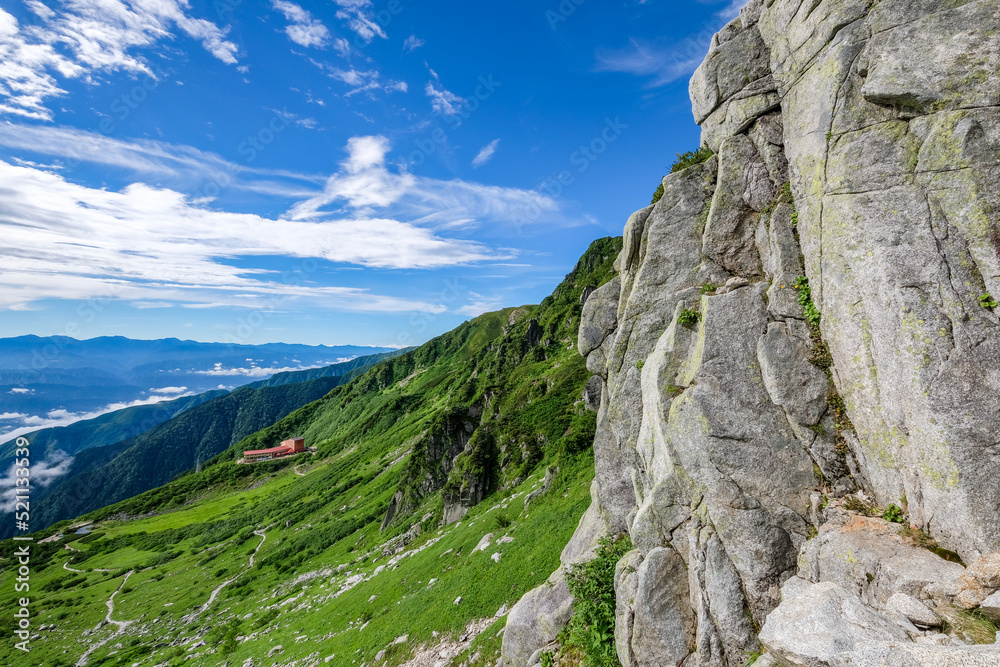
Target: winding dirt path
pixel 120 625
pixel 296 470
pixel 263 537
pixel 218 589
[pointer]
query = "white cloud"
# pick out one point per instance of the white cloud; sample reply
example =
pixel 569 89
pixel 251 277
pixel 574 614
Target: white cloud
pixel 664 63
pixel 444 101
pixel 480 305
pixel 149 305
pixel 412 43
pixel 8 416
pixel 661 64
pixel 87 37
pixel 19 390
pixel 365 184
pixel 304 30
pixel 362 80
pixel 43 473
pixel 182 166
pixel 360 18
pixel 342 46
pixel 62 417
pixel 67 241
pixel 308 123
pixel 486 154
pixel 168 390
pixel 257 371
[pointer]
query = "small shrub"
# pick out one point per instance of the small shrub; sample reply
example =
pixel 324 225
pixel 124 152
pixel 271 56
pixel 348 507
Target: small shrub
pixel 805 300
pixel 639 364
pixel 501 521
pixel 691 158
pixel 785 195
pixel 893 514
pixel 707 288
pixel 658 195
pixel 688 317
pixel 548 659
pixel 987 301
pixel 266 618
pixel 592 628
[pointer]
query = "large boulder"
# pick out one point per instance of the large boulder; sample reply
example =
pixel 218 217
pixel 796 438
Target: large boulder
pixel 868 557
pixel 816 622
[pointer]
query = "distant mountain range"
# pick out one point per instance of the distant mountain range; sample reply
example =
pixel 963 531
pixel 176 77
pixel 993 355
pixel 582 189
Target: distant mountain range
pixel 57 380
pixel 98 461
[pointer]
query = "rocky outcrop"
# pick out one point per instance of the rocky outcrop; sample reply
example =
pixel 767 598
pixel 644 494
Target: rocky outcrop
pixel 803 315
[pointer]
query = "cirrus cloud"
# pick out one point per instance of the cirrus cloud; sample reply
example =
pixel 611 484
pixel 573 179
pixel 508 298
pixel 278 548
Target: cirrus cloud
pixel 87 37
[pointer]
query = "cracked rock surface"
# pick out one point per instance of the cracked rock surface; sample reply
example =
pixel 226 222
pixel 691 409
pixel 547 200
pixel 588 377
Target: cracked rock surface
pixel 857 156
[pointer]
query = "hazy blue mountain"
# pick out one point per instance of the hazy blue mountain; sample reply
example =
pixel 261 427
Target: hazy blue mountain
pixel 44 381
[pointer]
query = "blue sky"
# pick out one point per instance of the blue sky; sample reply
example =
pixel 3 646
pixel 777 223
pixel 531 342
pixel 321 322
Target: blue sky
pixel 324 172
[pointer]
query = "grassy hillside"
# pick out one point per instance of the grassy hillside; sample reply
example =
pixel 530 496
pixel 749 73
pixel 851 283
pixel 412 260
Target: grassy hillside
pixel 347 553
pixel 158 452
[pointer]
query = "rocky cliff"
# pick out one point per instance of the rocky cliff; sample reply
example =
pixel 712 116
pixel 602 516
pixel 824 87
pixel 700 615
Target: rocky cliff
pixel 801 339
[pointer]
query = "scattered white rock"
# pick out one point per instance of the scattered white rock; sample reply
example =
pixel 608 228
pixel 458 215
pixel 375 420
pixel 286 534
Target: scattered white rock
pixel 458 600
pixel 496 557
pixel 484 543
pixel 991 606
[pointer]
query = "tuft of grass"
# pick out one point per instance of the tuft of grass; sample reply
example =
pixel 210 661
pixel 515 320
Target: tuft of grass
pixel 972 626
pixel 855 504
pixel 918 538
pixel 691 158
pixel 688 317
pixel 707 288
pixel 640 363
pixel 752 658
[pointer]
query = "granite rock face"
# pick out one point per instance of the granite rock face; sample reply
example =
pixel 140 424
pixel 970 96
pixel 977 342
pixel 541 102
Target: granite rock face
pixel 802 316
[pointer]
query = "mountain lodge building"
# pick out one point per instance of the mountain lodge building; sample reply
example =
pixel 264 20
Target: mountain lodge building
pixel 286 448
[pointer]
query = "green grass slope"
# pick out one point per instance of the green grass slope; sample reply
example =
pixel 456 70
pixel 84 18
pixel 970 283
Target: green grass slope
pixel 345 555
